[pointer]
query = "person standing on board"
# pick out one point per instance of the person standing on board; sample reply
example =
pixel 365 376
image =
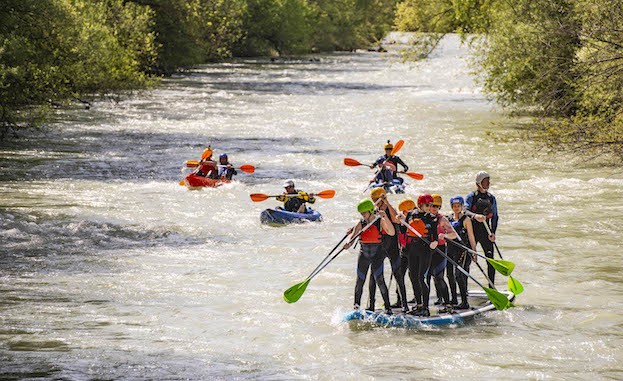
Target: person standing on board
pixel 438 261
pixel 207 166
pixel 395 160
pixel 483 207
pixel 371 255
pixel 462 225
pixel 418 251
pixel 390 251
pixel 226 170
pixel 295 200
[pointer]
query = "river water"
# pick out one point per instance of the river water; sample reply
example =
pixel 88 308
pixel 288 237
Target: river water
pixel 111 270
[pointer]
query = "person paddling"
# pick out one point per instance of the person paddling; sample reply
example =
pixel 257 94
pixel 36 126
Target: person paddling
pixel 388 158
pixel 371 254
pixel 418 252
pixel 295 200
pixel 463 226
pixel 390 251
pixel 438 261
pixel 484 205
pixel 226 169
pixel 207 166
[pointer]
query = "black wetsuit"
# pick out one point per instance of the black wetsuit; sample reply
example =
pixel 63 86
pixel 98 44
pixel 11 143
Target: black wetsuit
pixel 436 271
pixel 392 252
pixel 461 257
pixel 485 204
pixel 293 203
pixel 371 255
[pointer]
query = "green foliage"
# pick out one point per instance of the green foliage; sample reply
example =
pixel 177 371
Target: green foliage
pixel 443 16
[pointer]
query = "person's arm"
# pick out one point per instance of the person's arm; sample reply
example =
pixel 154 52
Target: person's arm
pixel 356 231
pixel 399 161
pixel 448 231
pixel 386 224
pixel 467 223
pixel 392 212
pixel 495 217
pixel 306 197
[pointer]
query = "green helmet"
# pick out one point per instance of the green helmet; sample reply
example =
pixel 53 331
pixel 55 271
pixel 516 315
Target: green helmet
pixel 366 205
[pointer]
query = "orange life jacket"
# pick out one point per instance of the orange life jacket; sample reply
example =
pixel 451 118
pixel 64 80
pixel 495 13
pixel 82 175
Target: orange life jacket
pixel 372 234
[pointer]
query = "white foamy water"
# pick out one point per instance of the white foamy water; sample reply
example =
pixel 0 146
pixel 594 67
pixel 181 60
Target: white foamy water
pixel 110 270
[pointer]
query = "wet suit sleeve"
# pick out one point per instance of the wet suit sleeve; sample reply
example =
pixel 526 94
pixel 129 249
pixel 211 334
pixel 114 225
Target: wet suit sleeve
pixel 282 198
pixel 494 210
pixel 469 200
pixel 399 161
pixel 306 197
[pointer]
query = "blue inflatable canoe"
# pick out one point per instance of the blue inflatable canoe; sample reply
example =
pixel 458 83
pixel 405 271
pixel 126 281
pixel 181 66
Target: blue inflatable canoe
pixel 282 217
pixel 394 187
pixel 477 299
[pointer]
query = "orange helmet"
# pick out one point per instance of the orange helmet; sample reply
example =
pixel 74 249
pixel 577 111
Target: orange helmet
pixel 376 193
pixel 406 205
pixel 437 199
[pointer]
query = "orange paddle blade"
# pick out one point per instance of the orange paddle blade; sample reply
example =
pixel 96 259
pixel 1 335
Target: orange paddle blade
pixel 329 193
pixel 397 146
pixel 247 168
pixel 257 197
pixel 182 182
pixel 414 175
pixel 351 162
pixel 192 163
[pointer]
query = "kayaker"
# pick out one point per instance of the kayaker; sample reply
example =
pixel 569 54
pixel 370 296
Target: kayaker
pixel 207 166
pixel 463 226
pixel 371 254
pixel 295 200
pixel 226 169
pixel 438 261
pixel 419 253
pixel 395 160
pixel 385 175
pixel 389 245
pixel 484 205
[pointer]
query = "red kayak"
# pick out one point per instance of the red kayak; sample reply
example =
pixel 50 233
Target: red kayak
pixel 197 182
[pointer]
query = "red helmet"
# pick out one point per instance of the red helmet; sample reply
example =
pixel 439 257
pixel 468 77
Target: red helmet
pixel 425 199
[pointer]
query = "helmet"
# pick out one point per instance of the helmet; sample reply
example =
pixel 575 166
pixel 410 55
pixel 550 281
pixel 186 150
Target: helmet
pixel 207 153
pixel 437 199
pixel 481 176
pixel 288 183
pixel 457 200
pixel 389 145
pixel 376 193
pixel 366 205
pixel 223 156
pixel 406 205
pixel 424 199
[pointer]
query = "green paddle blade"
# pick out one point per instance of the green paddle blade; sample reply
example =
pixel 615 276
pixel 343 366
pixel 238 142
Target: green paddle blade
pixel 514 285
pixel 503 267
pixel 499 300
pixel 294 293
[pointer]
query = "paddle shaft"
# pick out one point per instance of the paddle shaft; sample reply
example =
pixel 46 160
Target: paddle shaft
pixel 417 233
pixel 486 224
pixel 325 258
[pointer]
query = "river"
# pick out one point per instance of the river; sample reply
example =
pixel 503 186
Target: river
pixel 111 270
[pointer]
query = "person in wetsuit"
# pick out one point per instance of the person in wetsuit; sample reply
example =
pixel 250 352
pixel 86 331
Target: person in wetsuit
pixel 390 250
pixel 388 158
pixel 295 200
pixel 404 207
pixel 419 253
pixel 438 261
pixel 462 225
pixel 225 168
pixel 207 166
pixel 371 254
pixel 482 206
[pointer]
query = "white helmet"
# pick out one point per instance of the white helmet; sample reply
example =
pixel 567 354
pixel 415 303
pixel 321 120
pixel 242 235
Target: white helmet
pixel 288 183
pixel 481 176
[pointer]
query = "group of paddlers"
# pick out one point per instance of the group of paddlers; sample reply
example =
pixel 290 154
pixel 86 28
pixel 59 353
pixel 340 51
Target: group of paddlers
pixel 419 240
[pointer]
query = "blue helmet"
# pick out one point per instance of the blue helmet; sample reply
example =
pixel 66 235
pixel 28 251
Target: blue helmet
pixel 223 156
pixel 457 200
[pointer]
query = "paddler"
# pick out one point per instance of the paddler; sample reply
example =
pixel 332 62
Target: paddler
pixel 207 166
pixel 483 207
pixel 463 226
pixel 385 176
pixel 419 253
pixel 405 206
pixel 226 169
pixel 295 200
pixel 389 158
pixel 438 261
pixel 371 254
pixel 389 244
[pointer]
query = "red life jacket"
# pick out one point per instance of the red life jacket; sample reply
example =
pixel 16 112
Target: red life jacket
pixel 372 234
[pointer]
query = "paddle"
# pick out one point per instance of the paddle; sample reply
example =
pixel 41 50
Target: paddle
pixel 503 267
pixel 414 175
pixel 257 197
pixel 294 293
pixel 353 163
pixel 513 285
pixel 248 168
pixel 499 300
pixel 395 150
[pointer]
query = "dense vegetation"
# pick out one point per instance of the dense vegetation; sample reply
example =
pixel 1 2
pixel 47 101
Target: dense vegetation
pixel 561 60
pixel 53 52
